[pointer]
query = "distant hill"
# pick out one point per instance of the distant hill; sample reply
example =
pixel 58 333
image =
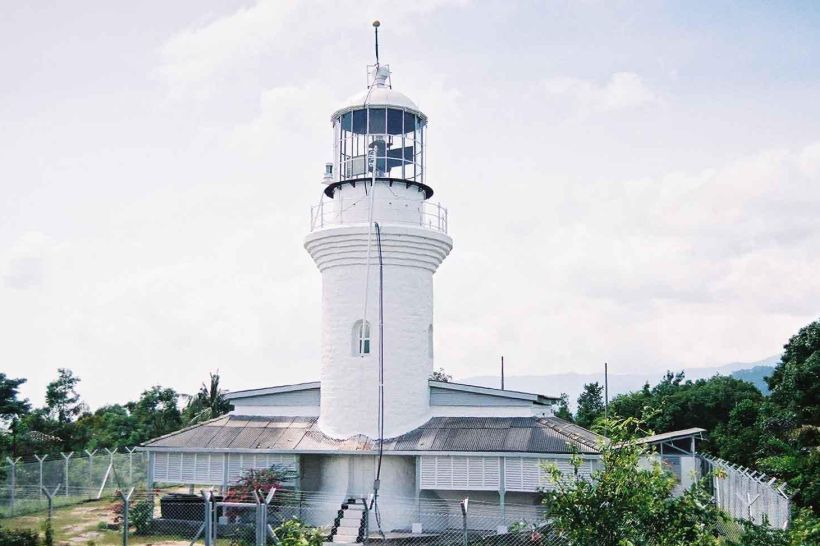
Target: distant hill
pixel 756 376
pixel 573 383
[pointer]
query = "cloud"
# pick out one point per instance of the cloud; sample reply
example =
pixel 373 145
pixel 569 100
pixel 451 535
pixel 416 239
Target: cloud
pixel 623 91
pixel 687 268
pixel 25 266
pixel 193 57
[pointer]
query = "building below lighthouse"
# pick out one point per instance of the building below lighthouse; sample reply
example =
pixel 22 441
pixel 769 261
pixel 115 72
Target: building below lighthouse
pixel 375 422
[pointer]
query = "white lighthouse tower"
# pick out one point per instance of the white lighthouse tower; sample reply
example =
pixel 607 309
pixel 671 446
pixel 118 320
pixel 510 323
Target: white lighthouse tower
pixel 377 240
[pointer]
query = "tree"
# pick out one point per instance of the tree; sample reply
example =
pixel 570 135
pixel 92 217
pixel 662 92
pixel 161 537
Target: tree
pixel 675 404
pixel 791 418
pixel 590 405
pixel 10 406
pixel 110 426
pixel 155 413
pixel 625 503
pixel 795 381
pixel 563 408
pixel 208 403
pixel 440 375
pixel 62 398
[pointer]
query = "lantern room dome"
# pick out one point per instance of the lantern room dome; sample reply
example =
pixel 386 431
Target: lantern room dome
pixel 379 96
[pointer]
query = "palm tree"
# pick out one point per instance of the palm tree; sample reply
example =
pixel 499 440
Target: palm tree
pixel 209 402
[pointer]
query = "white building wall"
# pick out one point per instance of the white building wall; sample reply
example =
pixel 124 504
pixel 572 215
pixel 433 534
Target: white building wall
pixel 327 480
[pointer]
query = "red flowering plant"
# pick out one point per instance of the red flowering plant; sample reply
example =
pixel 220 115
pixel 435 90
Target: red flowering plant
pixel 262 481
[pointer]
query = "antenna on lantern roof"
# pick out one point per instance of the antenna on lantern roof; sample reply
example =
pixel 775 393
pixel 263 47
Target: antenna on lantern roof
pixel 378 75
pixel 376 25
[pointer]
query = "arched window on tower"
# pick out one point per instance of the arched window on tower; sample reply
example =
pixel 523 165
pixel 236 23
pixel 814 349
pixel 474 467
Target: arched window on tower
pixel 361 338
pixel 430 341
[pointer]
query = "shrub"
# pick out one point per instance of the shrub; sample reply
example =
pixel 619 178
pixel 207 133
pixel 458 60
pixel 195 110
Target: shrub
pixel 140 516
pixel 19 537
pixel 295 533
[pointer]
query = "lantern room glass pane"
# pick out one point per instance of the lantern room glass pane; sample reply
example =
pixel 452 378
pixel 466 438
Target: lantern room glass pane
pixel 359 125
pixel 409 122
pixel 378 121
pixel 394 121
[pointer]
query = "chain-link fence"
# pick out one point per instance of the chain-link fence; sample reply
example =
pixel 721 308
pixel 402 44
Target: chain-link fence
pixel 68 478
pixel 261 518
pixel 745 494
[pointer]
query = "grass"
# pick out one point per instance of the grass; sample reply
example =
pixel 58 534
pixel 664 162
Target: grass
pixel 81 525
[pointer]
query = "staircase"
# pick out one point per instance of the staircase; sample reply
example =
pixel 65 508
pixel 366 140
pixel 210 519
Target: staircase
pixel 349 525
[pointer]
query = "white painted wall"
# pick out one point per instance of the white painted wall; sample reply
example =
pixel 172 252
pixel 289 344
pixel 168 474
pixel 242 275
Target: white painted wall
pixel 349 393
pixel 337 477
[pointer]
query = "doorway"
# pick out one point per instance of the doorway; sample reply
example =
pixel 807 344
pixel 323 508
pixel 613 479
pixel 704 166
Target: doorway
pixel 362 473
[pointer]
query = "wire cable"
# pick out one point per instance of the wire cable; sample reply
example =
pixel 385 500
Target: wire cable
pixel 377 481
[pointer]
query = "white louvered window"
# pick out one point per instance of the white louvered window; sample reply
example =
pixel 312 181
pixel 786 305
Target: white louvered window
pixel 460 473
pixel 528 474
pixel 241 462
pixel 175 467
pixel 161 467
pixel 208 468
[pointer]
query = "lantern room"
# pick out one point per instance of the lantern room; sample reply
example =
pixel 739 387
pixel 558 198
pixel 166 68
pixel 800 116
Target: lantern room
pixel 381 130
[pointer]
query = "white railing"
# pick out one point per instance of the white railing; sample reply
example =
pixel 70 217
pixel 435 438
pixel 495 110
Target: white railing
pixel 340 211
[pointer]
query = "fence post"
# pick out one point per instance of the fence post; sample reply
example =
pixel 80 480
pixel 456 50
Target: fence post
pixel 12 482
pixel 207 531
pixel 49 496
pixel 130 464
pixel 464 504
pixel 368 503
pixel 90 464
pixel 65 462
pixel 126 506
pixel 40 479
pixel 265 528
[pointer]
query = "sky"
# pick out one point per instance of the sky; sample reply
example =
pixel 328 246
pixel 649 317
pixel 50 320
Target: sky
pixel 630 182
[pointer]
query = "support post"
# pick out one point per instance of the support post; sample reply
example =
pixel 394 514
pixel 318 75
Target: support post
pixel 464 505
pixel 12 482
pixel 40 479
pixel 209 519
pixel 368 504
pixel 502 493
pixel 225 460
pixel 65 464
pixel 418 489
pixel 126 506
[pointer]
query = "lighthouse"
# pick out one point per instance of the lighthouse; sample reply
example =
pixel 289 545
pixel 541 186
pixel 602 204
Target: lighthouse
pixel 377 423
pixel 377 238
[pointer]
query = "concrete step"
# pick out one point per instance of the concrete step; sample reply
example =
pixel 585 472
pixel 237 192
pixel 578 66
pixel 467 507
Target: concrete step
pixel 347 531
pixel 356 507
pixel 344 540
pixel 349 521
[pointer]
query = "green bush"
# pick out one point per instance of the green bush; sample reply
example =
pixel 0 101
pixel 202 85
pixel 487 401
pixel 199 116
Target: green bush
pixel 295 533
pixel 19 537
pixel 140 516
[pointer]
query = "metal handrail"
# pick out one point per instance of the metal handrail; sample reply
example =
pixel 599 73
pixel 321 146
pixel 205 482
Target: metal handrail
pixel 432 216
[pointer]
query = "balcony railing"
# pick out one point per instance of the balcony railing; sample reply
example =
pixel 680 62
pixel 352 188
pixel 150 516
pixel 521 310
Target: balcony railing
pixel 340 211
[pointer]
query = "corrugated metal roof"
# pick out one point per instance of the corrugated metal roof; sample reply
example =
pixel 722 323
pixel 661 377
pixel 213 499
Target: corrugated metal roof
pixel 674 435
pixel 439 434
